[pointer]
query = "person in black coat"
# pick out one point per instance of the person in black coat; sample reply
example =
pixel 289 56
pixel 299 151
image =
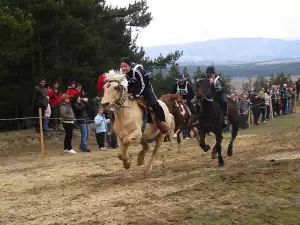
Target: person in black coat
pixel 80 108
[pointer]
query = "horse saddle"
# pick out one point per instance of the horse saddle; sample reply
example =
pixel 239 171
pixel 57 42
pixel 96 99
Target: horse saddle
pixel 149 116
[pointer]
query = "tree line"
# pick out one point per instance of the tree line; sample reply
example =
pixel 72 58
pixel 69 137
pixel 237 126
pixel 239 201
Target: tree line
pixel 266 82
pixel 65 40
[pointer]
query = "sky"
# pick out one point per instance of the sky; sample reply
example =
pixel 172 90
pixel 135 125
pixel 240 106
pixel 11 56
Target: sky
pixel 179 22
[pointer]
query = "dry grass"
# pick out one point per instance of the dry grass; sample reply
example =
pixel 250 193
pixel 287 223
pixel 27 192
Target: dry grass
pixel 259 184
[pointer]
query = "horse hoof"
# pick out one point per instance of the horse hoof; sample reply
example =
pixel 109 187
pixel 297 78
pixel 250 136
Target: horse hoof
pixel 120 157
pixel 221 163
pixel 229 153
pixel 213 155
pixel 126 164
pixel 140 160
pixel 206 148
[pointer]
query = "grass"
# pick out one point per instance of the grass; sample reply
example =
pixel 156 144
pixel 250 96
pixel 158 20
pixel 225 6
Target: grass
pixel 261 191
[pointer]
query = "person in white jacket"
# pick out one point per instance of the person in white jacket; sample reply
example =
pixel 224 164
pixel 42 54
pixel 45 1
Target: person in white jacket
pixel 47 116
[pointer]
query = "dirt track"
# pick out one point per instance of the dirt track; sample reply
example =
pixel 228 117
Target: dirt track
pixel 260 184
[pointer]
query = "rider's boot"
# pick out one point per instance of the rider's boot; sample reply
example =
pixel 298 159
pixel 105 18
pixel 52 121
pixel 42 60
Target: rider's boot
pixel 163 127
pixel 160 119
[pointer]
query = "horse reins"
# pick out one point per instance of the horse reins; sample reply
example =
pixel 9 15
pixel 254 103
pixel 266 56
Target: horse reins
pixel 209 89
pixel 123 94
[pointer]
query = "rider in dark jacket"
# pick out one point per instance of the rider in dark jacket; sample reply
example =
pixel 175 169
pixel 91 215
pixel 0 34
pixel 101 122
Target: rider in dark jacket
pixel 185 89
pixel 140 86
pixel 218 85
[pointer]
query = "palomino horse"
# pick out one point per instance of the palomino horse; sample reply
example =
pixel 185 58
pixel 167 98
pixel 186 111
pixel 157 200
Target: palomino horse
pixel 181 113
pixel 210 117
pixel 129 120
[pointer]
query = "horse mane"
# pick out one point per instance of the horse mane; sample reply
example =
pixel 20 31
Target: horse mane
pixel 171 97
pixel 117 76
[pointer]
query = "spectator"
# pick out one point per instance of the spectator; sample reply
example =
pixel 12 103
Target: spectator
pixel 284 95
pixel 40 101
pixel 96 103
pixel 47 116
pixel 298 87
pixel 54 95
pixel 267 109
pixel 72 91
pixel 67 116
pixel 80 107
pixel 289 100
pixel 80 90
pixel 101 128
pixel 294 95
pixel 262 106
pixel 275 100
pixel 244 111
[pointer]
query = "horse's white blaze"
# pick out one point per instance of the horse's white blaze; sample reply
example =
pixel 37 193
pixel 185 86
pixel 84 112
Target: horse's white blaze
pixel 182 110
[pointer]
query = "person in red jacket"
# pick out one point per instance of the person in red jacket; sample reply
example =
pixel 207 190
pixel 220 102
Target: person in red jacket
pixel 101 82
pixel 54 101
pixel 73 91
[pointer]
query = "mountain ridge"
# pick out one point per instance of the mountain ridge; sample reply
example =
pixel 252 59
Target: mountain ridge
pixel 231 50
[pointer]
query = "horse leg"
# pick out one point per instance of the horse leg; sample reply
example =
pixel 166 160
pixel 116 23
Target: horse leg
pixel 178 130
pixel 196 134
pixel 233 136
pixel 219 138
pixel 123 154
pixel 214 152
pixel 126 157
pixel 179 140
pixel 143 152
pixel 159 141
pixel 202 144
pixel 120 149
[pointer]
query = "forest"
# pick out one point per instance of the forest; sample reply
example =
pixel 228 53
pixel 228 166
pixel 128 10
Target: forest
pixel 68 40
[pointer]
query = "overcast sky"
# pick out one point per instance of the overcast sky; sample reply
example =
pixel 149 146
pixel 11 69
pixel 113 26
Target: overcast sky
pixel 177 22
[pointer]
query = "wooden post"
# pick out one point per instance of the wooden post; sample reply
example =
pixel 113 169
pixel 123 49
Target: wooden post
pixel 271 108
pixel 41 133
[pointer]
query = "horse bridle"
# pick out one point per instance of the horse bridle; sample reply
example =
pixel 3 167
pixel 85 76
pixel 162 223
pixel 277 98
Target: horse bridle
pixel 123 94
pixel 205 96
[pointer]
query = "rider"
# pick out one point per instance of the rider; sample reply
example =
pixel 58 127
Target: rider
pixel 218 85
pixel 185 89
pixel 139 85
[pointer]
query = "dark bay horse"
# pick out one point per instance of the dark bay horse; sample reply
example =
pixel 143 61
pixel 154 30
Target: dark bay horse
pixel 210 119
pixel 182 115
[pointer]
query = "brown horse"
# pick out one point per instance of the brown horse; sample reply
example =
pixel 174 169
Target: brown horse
pixel 182 115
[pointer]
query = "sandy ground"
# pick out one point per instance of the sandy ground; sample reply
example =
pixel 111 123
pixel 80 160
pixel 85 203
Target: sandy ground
pixel 184 188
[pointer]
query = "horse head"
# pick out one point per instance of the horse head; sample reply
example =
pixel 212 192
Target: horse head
pixel 204 89
pixel 115 89
pixel 172 101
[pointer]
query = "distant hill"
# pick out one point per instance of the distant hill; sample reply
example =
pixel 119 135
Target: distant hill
pixel 231 50
pixel 253 69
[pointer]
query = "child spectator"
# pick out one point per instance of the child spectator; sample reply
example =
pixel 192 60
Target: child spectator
pixel 101 128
